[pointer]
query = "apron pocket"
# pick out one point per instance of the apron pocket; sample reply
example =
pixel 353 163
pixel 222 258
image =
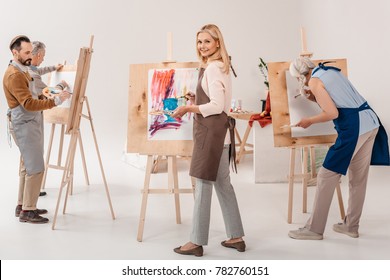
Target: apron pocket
pixel 200 134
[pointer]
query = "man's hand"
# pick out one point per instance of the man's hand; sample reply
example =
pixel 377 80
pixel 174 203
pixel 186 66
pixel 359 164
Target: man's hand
pixel 59 66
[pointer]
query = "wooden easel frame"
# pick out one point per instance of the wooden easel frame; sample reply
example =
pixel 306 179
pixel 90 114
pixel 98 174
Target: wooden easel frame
pixel 59 165
pixel 59 116
pixel 306 178
pixel 173 188
pixel 73 128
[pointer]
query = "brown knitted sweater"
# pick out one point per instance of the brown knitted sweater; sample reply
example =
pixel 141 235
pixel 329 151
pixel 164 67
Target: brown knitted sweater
pixel 16 90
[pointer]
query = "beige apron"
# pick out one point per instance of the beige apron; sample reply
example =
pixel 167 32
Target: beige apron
pixel 209 136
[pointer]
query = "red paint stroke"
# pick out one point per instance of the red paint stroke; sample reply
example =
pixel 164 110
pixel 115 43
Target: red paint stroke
pixel 161 87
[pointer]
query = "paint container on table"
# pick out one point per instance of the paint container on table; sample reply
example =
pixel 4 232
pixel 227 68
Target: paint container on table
pixel 233 107
pixel 239 104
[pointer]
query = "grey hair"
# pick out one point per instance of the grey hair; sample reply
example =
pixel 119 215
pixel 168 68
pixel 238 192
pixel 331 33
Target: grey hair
pixel 37 47
pixel 299 68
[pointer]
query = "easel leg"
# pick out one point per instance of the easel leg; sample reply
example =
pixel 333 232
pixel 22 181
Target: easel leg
pixel 61 145
pixel 291 184
pixel 305 158
pixel 100 159
pixel 53 128
pixel 340 199
pixel 69 189
pixel 173 184
pixel 313 169
pixel 83 159
pixel 66 177
pixel 145 193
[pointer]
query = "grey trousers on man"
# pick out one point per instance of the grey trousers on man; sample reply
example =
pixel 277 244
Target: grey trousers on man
pixel 328 180
pixel 227 200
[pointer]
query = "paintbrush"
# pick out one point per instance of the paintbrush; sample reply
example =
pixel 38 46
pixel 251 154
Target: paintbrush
pixel 288 125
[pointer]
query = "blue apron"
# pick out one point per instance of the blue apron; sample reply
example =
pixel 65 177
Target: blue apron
pixel 347 125
pixel 340 154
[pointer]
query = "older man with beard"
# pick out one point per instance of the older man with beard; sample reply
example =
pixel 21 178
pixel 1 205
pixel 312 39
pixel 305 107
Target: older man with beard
pixel 26 121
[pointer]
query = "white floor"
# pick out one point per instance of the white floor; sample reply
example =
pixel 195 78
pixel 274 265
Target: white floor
pixel 87 231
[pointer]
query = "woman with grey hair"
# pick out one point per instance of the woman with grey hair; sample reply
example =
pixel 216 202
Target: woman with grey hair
pixel 361 141
pixel 38 55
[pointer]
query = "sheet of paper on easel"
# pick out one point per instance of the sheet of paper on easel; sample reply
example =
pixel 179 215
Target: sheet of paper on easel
pixel 67 76
pixel 300 107
pixel 165 87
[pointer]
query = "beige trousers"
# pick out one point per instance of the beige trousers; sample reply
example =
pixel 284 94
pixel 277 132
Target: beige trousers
pixel 29 188
pixel 327 181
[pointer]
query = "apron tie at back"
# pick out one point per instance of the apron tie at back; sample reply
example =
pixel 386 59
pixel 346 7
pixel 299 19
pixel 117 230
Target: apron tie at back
pixel 232 149
pixel 322 66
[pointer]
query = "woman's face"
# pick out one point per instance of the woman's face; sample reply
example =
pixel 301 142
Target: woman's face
pixel 207 46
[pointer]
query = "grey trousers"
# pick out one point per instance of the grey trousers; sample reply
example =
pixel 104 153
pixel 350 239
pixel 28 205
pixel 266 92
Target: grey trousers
pixel 227 200
pixel 327 181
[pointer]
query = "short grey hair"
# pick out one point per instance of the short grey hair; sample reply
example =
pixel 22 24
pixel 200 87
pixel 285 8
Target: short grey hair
pixel 37 47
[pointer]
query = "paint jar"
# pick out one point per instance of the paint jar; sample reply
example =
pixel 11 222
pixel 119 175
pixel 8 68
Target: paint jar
pixel 233 107
pixel 181 101
pixel 239 104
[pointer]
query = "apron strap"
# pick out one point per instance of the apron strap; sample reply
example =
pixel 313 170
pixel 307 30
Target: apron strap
pixel 322 66
pixel 232 149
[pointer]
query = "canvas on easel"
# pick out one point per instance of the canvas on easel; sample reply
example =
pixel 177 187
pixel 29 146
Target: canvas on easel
pixel 288 108
pixel 151 131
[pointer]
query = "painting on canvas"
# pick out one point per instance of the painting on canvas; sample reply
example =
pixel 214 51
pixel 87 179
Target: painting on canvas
pixel 166 91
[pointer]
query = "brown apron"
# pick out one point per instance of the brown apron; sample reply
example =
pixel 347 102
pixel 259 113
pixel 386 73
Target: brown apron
pixel 209 136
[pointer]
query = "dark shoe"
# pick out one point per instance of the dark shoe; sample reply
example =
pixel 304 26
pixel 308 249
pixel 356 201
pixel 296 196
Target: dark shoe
pixel 19 209
pixel 32 217
pixel 239 246
pixel 42 193
pixel 197 251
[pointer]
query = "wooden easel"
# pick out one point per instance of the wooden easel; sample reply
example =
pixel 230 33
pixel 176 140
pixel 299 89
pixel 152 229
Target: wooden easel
pixel 73 128
pixel 173 188
pixel 156 151
pixel 59 116
pixel 306 178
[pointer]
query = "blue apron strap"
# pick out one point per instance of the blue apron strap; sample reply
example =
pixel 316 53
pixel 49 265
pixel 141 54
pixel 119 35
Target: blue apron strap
pixel 322 66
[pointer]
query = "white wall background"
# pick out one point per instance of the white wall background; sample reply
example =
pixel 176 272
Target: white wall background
pixel 134 31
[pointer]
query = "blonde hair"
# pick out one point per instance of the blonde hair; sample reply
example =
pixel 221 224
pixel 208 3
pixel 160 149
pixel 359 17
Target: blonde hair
pixel 221 54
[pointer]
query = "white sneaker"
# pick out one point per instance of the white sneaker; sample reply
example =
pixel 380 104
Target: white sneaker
pixel 304 234
pixel 342 228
